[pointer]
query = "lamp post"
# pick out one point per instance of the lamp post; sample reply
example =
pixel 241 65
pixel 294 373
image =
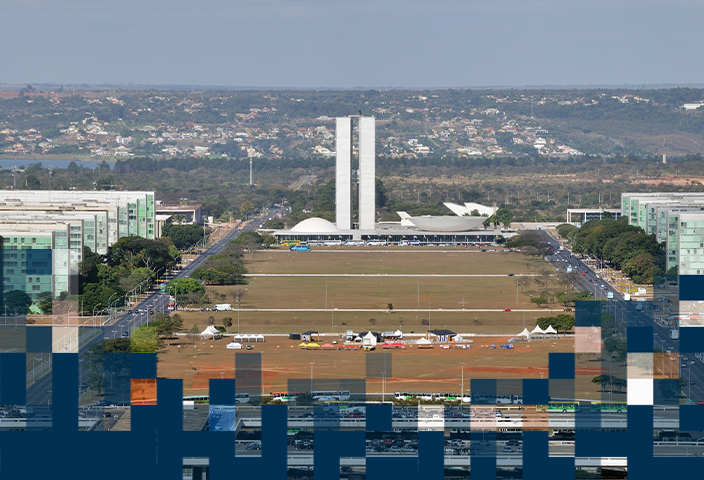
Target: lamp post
pixel 516 293
pixel 332 318
pixel 110 300
pixel 94 313
pixel 524 315
pixel 462 384
pixel 326 294
pixel 428 315
pixel 311 377
pixel 383 386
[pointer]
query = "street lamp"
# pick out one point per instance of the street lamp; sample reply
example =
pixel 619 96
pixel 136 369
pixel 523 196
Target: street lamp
pixel 462 384
pixel 383 386
pixel 311 377
pixel 94 313
pixel 428 315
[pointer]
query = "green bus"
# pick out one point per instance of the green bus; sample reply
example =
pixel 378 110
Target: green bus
pixel 563 407
pixel 617 407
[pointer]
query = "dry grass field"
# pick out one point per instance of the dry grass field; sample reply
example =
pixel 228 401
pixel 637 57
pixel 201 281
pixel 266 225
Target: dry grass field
pixel 297 303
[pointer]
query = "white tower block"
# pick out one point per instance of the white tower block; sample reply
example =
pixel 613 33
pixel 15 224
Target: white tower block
pixel 343 173
pixel 367 173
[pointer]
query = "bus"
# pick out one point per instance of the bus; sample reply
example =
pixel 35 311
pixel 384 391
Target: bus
pixel 330 395
pixel 285 396
pixel 299 248
pixel 290 243
pixel 564 407
pixel 241 398
pixel 617 407
pixel 497 399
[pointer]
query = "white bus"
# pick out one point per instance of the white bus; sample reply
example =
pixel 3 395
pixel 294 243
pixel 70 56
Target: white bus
pixel 330 395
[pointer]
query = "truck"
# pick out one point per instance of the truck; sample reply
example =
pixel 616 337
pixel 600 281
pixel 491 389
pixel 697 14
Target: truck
pixel 223 307
pixel 674 334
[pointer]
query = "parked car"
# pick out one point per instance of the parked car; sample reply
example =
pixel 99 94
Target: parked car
pixel 249 347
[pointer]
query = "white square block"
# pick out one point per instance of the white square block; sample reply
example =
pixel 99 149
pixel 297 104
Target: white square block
pixel 640 391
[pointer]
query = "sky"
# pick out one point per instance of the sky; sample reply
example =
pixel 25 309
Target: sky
pixel 352 43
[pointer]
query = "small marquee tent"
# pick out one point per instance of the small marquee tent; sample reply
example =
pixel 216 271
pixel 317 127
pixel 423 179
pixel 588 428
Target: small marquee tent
pixel 211 332
pixel 234 346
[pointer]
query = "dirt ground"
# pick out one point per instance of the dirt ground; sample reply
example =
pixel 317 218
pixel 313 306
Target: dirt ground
pixel 412 369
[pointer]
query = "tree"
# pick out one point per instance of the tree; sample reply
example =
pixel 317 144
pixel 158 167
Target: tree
pixel 380 193
pixel 372 322
pixel 17 301
pixel 227 322
pixel 31 182
pixel 390 307
pixel 193 334
pixel 539 301
pixel 184 236
pixel 211 320
pixel 45 301
pixel 246 208
pixel 184 286
pixel 96 382
pixel 237 296
pixel 145 339
pixel 601 380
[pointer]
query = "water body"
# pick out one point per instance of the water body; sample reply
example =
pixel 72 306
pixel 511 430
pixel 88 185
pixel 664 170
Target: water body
pixel 63 164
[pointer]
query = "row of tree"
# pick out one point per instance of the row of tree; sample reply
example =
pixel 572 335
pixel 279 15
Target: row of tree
pixel 625 247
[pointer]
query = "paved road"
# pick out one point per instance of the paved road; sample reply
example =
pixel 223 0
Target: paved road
pixel 39 393
pixel 627 315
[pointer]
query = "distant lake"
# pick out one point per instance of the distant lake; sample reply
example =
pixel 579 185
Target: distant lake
pixel 4 163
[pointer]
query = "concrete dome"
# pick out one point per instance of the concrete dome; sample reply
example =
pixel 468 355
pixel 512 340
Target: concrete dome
pixel 315 225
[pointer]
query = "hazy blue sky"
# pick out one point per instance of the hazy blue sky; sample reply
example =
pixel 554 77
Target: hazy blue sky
pixel 328 43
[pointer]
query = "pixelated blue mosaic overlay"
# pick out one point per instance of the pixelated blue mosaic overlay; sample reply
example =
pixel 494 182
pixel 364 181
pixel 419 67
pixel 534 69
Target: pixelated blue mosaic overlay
pixel 650 416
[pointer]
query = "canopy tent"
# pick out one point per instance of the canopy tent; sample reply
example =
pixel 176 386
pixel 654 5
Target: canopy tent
pixel 537 330
pixel 398 345
pixel 259 338
pixel 424 343
pixel 385 345
pixel 234 346
pixel 312 345
pixel 327 345
pixel 302 345
pixel 550 331
pixel 524 333
pixel 238 336
pixel 211 332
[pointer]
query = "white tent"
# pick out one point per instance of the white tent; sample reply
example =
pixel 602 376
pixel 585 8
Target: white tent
pixel 369 339
pixel 238 337
pixel 210 332
pixel 550 330
pixel 259 338
pixel 398 334
pixel 234 346
pixel 537 330
pixel 423 341
pixel 524 333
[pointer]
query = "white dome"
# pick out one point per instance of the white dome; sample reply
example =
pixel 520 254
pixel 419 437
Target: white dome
pixel 315 225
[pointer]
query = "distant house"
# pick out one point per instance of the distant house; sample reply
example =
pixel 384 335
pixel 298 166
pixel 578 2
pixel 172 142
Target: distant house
pixel 440 335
